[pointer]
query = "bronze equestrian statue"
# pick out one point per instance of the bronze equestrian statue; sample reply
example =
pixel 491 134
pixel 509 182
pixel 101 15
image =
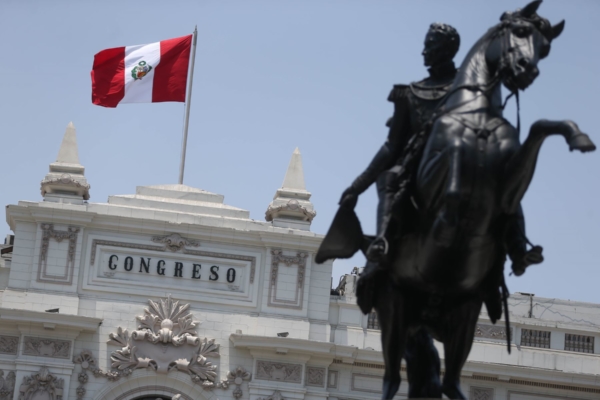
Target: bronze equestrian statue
pixel 451 207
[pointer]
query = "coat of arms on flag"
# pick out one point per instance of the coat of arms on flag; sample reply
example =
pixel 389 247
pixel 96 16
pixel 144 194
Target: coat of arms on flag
pixel 140 70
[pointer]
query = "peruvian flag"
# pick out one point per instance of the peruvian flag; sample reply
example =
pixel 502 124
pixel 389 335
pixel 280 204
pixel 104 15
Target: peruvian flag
pixel 147 73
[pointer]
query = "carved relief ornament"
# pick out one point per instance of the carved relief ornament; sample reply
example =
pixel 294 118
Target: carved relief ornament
pixel 7 385
pixel 42 382
pixel 9 344
pixel 165 340
pixel 42 347
pixel 175 242
pixel 275 396
pixel 315 376
pixel 276 371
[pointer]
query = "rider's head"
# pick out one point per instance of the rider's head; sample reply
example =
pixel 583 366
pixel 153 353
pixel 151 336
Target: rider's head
pixel 441 44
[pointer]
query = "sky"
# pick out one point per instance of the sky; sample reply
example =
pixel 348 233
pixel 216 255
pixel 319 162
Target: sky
pixel 271 76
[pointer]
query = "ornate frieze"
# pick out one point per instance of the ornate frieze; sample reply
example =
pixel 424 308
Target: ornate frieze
pixel 478 393
pixel 277 257
pixel 175 242
pixel 491 332
pixel 36 385
pixel 9 344
pixel 44 347
pixel 315 376
pixel 7 385
pixel 276 371
pixel 48 233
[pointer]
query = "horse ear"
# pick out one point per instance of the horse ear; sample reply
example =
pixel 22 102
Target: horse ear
pixel 557 29
pixel 530 9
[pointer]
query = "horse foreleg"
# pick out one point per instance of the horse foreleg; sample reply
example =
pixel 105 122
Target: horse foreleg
pixel 392 320
pixel 521 167
pixel 458 338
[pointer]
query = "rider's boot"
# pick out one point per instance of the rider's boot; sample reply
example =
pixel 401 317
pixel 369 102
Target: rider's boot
pixel 367 287
pixel 391 198
pixel 516 244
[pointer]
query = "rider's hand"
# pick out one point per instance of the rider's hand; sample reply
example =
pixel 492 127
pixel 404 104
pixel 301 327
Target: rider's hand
pixel 349 198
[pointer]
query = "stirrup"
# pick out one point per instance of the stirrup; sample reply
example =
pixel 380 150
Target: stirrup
pixel 379 255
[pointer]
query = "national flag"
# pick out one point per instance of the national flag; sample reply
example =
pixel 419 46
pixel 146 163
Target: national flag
pixel 147 73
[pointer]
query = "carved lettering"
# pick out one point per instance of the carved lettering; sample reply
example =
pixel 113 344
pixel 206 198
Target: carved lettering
pixel 196 271
pixel 160 267
pixel 128 263
pixel 178 269
pixel 230 275
pixel 144 265
pixel 110 262
pixel 213 273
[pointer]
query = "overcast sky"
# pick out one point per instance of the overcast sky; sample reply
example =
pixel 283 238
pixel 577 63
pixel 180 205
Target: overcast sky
pixel 273 75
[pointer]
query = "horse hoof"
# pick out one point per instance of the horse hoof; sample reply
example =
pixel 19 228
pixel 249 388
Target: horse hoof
pixel 581 142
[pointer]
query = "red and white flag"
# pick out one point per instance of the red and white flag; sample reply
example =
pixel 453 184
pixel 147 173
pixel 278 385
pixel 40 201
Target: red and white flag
pixel 147 73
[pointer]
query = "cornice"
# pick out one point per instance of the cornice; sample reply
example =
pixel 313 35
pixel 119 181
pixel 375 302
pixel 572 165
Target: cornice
pixel 50 320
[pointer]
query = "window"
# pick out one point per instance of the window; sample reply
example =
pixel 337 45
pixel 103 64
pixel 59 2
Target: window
pixel 373 322
pixel 534 338
pixel 579 343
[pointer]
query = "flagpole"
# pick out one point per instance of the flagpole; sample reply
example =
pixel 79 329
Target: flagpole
pixel 188 102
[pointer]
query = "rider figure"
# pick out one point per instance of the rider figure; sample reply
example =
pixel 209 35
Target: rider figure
pixel 414 106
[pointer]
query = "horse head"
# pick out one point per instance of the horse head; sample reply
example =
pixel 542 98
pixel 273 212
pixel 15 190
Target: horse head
pixel 520 41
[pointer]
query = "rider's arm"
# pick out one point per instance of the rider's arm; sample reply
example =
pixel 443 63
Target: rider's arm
pixel 392 148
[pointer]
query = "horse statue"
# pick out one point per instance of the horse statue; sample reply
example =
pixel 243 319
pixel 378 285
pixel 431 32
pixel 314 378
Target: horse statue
pixel 464 178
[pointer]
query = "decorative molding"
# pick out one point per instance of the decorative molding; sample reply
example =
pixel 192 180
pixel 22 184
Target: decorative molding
pixel 43 382
pixel 276 371
pixel 277 258
pixel 48 233
pixel 7 385
pixel 99 242
pixel 479 393
pixel 62 181
pixel 165 340
pixel 315 376
pixel 236 377
pixel 332 379
pixel 377 380
pixel 9 345
pixel 275 396
pixel 44 347
pixel 175 242
pixel 491 332
pixel 292 205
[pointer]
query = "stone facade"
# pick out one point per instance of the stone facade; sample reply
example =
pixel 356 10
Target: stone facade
pixel 169 292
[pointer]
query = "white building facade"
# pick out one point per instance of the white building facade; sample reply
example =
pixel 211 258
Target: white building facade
pixel 171 292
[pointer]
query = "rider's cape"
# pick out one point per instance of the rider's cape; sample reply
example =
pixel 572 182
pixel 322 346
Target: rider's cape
pixel 344 238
